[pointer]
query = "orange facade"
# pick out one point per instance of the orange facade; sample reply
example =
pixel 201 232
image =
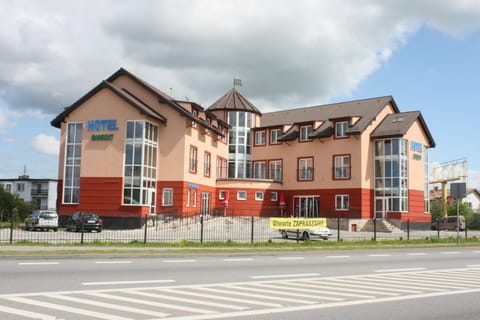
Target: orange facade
pixel 128 151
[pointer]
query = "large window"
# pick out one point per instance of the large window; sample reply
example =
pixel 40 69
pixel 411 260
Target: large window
pixel 391 177
pixel 221 168
pixel 305 169
pixel 259 169
pixel 341 167
pixel 140 170
pixel 240 144
pixel 73 155
pixel 167 197
pixel 275 170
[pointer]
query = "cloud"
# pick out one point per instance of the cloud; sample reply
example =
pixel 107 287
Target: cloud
pixel 286 53
pixel 45 144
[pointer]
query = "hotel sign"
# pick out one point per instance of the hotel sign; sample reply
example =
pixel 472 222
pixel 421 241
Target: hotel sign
pixel 105 125
pixel 417 150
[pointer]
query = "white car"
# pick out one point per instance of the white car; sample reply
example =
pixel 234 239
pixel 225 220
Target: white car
pixel 306 234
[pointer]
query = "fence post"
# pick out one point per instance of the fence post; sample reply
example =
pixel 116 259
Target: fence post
pixel 338 229
pixel 145 234
pixel 11 225
pixel 375 229
pixel 251 238
pixel 466 235
pixel 201 228
pixel 81 230
pixel 438 228
pixel 408 229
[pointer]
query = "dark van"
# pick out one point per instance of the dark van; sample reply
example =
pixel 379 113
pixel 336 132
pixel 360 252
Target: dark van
pixel 450 223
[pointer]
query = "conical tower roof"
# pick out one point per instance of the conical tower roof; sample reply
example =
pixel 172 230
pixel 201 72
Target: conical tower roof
pixel 233 101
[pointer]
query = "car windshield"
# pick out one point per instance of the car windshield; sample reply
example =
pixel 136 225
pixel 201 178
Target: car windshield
pixel 48 215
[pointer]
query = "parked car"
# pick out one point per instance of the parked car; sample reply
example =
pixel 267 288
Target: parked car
pixel 86 221
pixel 42 220
pixel 306 234
pixel 450 223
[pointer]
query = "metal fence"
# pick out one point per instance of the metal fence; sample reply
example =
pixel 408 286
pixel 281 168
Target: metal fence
pixel 203 229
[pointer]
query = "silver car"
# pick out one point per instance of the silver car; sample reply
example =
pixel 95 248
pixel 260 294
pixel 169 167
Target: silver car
pixel 42 220
pixel 306 234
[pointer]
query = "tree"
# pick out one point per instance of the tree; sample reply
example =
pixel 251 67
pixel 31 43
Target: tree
pixel 12 203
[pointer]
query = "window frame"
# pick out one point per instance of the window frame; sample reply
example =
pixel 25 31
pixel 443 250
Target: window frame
pixel 207 164
pixel 262 134
pixel 278 133
pixel 164 197
pixel 344 200
pixel 342 167
pixel 255 163
pixel 280 166
pixel 259 196
pixel 242 198
pixel 302 133
pixel 192 159
pixel 274 196
pixel 341 128
pixel 299 169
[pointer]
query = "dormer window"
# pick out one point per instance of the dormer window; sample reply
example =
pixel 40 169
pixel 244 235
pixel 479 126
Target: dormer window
pixel 341 128
pixel 195 115
pixel 305 132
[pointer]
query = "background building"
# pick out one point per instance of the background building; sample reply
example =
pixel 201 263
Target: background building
pixel 41 192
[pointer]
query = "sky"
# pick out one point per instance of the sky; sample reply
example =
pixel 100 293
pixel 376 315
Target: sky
pixel 288 54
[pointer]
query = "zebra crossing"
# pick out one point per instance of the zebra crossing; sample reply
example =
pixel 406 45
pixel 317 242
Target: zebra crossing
pixel 223 300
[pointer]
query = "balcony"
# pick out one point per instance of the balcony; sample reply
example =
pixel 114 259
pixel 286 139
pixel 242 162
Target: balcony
pixel 39 193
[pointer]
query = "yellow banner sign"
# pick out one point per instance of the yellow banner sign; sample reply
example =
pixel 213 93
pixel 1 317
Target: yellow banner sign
pixel 298 223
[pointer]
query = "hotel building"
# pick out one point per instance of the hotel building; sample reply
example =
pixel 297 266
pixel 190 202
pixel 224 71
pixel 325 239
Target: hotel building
pixel 128 150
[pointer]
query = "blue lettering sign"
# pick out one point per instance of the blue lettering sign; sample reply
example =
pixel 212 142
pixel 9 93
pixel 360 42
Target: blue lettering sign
pixel 416 146
pixel 102 125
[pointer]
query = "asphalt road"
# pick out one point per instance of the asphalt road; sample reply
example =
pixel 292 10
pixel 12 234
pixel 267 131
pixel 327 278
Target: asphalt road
pixel 441 283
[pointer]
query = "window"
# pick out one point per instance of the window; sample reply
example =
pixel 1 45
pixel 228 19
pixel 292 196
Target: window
pixel 342 202
pixel 259 196
pixel 260 138
pixel 194 198
pixel 192 163
pixel 305 169
pixel 274 196
pixel 221 168
pixel 305 132
pixel 242 195
pixel 341 167
pixel 274 134
pixel 188 198
pixel 341 128
pixel 194 122
pixel 275 170
pixel 140 166
pixel 221 195
pixel 206 164
pixel 21 187
pixel 167 199
pixel 259 169
pixel 73 155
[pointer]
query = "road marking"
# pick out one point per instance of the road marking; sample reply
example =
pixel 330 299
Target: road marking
pixel 379 255
pixel 84 313
pixel 399 270
pixel 107 283
pixel 291 258
pixel 450 252
pixel 274 294
pixel 238 259
pixel 112 262
pixel 285 276
pixel 250 313
pixel 26 314
pixel 38 263
pixel 178 261
pixel 473 265
pixel 337 257
pixel 249 295
pixel 149 303
pixel 417 254
pixel 112 306
pixel 209 296
pixel 318 291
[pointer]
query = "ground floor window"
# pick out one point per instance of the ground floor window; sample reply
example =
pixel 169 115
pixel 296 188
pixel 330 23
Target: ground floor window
pixel 342 202
pixel 306 206
pixel 167 199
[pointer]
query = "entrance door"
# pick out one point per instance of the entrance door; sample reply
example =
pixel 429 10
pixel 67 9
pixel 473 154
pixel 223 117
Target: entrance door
pixel 381 207
pixel 307 206
pixel 205 207
pixel 151 200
